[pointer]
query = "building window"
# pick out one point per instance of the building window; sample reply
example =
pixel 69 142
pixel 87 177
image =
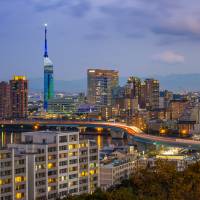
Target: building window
pixel 51 165
pixel 19 195
pixel 19 179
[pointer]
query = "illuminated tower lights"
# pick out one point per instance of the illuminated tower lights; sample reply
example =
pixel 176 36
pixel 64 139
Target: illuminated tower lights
pixel 48 75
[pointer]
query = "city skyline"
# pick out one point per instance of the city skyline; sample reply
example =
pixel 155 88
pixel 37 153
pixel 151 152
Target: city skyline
pixel 99 98
pixel 135 38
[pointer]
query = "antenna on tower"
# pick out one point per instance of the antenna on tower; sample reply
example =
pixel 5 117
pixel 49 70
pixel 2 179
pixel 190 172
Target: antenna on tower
pixel 45 46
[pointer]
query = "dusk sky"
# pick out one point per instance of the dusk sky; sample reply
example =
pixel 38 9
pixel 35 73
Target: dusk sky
pixel 136 37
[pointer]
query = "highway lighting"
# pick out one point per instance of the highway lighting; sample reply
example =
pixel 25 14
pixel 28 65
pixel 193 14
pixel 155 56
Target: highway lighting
pixel 163 131
pixel 184 131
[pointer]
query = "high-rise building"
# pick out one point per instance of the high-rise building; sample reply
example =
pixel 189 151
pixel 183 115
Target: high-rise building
pixel 59 164
pixel 100 85
pixel 5 111
pixel 48 75
pixel 165 98
pixel 19 97
pixel 133 87
pixel 132 95
pixel 151 94
pixel 143 96
pixel 13 174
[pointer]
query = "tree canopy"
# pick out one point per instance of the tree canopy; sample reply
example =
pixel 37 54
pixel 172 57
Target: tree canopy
pixel 163 182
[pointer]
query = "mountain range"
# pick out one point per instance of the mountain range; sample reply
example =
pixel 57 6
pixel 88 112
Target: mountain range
pixel 173 82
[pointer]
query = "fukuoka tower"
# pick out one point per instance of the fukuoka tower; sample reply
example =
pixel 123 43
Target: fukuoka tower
pixel 48 75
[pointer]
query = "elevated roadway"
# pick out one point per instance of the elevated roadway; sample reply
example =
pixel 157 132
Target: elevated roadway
pixel 133 131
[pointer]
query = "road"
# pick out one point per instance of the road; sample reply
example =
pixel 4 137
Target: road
pixel 131 130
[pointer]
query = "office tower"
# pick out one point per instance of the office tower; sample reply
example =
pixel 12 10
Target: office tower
pixel 100 85
pixel 133 88
pixel 19 97
pixel 151 93
pixel 66 106
pixel 133 93
pixel 59 163
pixel 5 111
pixel 143 96
pixel 48 76
pixel 13 174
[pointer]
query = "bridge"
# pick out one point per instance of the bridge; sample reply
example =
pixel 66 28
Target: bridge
pixel 132 131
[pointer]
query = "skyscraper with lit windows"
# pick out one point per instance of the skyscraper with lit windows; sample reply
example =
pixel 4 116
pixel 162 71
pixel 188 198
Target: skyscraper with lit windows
pixel 48 75
pixel 5 109
pixel 19 97
pixel 151 94
pixel 100 86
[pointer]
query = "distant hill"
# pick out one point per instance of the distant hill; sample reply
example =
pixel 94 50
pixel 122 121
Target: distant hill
pixel 180 82
pixel 60 85
pixel 174 82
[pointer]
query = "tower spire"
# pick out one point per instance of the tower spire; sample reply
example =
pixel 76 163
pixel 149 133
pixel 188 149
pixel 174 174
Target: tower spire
pixel 45 46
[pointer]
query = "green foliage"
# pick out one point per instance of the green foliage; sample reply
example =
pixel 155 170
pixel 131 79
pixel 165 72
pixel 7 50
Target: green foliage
pixel 161 183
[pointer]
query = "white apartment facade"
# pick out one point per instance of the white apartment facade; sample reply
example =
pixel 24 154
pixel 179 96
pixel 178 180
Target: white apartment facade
pixel 113 173
pixel 59 163
pixel 13 175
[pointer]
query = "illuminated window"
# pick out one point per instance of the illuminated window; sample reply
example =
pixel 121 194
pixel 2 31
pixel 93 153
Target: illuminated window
pixel 19 179
pixel 92 172
pixel 49 189
pixel 51 180
pixel 63 178
pixel 50 157
pixel 19 195
pixel 83 145
pixel 84 173
pixel 37 167
pixel 1 182
pixel 72 146
pixel 73 154
pixel 51 165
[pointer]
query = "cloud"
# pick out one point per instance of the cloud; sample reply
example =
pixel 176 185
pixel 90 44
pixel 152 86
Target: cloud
pixel 77 8
pixel 169 20
pixel 184 27
pixel 169 57
pixel 42 6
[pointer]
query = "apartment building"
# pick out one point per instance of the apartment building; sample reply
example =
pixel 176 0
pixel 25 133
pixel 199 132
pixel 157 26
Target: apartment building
pixel 19 97
pixel 113 172
pixel 13 175
pixel 5 110
pixel 59 163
